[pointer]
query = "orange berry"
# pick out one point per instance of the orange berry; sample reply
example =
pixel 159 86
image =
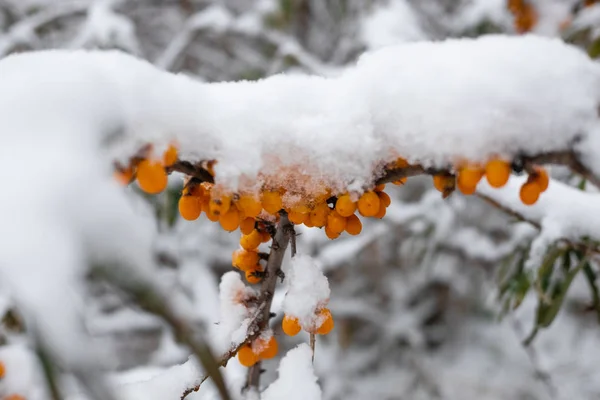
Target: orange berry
pixel 247 225
pixel 190 207
pixel 124 177
pixel 211 212
pixel 470 175
pixel 230 221
pixel 345 206
pixel 290 325
pixel 327 325
pixel 530 192
pixel 307 222
pixel 253 275
pixel 151 176
pixel 443 183
pixel 170 156
pixel 272 202
pixel 335 222
pixel 244 259
pixel 220 206
pixel 246 356
pixel 297 218
pixel 331 234
pixel 400 181
pixel 318 216
pixel 353 225
pixel 368 204
pixel 251 241
pixel 497 173
pixel 384 198
pixel 400 163
pixel 269 350
pixel 2 370
pixel 380 187
pixel 249 205
pixel 264 236
pixel 381 213
pixel 14 397
pixel 301 209
pixel 540 176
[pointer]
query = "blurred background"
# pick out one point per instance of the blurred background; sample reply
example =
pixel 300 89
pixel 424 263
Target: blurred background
pixel 422 302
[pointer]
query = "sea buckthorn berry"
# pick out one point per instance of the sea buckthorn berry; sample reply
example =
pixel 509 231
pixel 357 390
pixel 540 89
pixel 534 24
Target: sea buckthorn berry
pixel 246 356
pixel 384 198
pixel 368 204
pixel 297 218
pixel 335 222
pixel 2 370
pixel 151 176
pixel 400 182
pixel 400 163
pixel 272 202
pixel 327 324
pixel 331 234
pixel 380 187
pixel 264 237
pixel 540 176
pixel 381 213
pixel 353 225
pixel 197 191
pixel 345 206
pixel 300 209
pixel 290 325
pixel 253 275
pixel 230 221
pixel 190 207
pixel 247 225
pixel 251 241
pixel 269 349
pixel 468 178
pixel 318 216
pixel 497 172
pixel 244 259
pixel 124 176
pixel 14 397
pixel 444 183
pixel 530 192
pixel 249 205
pixel 170 156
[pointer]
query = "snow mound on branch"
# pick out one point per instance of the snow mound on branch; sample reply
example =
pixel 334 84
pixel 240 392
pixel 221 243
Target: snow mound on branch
pixel 234 313
pixel 308 290
pixel 431 102
pixel 563 212
pixel 297 380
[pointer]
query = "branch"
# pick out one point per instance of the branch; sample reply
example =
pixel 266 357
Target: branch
pixel 567 158
pixel 193 170
pixel 260 320
pixel 149 298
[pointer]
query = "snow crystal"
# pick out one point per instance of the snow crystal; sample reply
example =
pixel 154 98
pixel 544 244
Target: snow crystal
pixel 297 380
pixel 308 290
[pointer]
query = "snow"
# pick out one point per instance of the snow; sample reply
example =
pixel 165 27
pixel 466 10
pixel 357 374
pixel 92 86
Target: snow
pixel 390 24
pixel 564 213
pixel 308 291
pixel 297 380
pixel 344 127
pixel 232 328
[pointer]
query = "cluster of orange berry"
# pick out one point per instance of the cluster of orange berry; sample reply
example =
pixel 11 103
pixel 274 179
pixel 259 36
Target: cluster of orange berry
pixel 12 396
pixel 291 325
pixel 497 173
pixel 260 349
pixel 150 172
pixel 524 14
